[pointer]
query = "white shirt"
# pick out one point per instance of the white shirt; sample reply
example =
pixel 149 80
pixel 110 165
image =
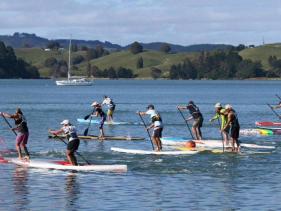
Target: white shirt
pixel 153 113
pixel 106 101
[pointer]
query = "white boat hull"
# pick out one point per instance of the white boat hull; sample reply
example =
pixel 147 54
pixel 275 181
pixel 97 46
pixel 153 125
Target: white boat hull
pixel 74 82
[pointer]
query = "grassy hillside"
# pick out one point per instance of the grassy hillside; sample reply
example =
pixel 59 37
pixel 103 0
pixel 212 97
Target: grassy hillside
pixel 262 53
pixel 125 59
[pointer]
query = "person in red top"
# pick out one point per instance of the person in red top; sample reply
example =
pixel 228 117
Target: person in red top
pixel 21 130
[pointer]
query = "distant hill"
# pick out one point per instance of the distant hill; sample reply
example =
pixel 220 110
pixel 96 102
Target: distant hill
pixel 262 53
pixel 25 40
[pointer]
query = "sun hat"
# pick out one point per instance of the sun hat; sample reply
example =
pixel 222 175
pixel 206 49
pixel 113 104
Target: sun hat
pixel 218 105
pixel 65 122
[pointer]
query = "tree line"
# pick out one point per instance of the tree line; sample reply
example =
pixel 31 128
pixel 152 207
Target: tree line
pixel 13 67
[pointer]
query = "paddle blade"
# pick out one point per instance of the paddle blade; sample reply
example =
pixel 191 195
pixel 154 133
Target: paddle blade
pixel 87 117
pixel 86 132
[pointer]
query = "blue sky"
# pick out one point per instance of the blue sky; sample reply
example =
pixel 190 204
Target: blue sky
pixel 182 22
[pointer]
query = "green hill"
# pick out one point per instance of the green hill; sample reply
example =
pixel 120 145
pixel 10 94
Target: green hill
pixel 262 53
pixel 126 59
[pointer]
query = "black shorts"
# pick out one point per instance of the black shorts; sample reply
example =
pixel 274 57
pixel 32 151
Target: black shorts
pixel 73 145
pixel 198 122
pixel 234 133
pixel 157 133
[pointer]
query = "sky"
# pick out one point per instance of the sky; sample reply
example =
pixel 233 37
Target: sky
pixel 122 22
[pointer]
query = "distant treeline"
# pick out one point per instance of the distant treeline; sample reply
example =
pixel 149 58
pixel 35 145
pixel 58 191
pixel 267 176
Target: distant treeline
pixel 13 67
pixel 223 65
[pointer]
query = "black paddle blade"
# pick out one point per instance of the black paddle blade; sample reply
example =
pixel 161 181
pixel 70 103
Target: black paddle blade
pixel 86 132
pixel 87 117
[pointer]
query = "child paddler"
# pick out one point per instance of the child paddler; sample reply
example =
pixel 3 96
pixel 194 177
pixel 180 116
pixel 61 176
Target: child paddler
pixel 111 108
pixel 99 112
pixel 220 114
pixel 156 124
pixel 73 141
pixel 21 130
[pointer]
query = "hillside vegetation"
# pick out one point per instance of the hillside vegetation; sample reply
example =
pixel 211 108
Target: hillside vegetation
pixel 262 53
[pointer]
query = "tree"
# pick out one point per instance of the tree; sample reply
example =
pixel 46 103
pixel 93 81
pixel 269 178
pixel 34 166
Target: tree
pixel 74 47
pixel 124 73
pixel 166 48
pixel 139 63
pixel 77 59
pixel 53 45
pixel 155 73
pixel 136 48
pixel 50 62
pixel 112 73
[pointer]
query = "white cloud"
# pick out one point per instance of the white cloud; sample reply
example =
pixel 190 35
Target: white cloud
pixel 124 21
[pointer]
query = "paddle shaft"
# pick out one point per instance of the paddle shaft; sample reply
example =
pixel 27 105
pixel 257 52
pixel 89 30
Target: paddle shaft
pixel 186 123
pixel 222 139
pixel 273 111
pixel 278 96
pixel 75 151
pixel 146 130
pixel 10 126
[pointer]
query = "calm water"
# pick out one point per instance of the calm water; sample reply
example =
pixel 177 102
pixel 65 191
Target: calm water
pixel 200 182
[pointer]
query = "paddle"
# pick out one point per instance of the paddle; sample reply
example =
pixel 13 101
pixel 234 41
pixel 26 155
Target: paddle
pixel 222 140
pixel 56 136
pixel 146 130
pixel 10 126
pixel 87 129
pixel 87 116
pixel 186 123
pixel 273 111
pixel 278 96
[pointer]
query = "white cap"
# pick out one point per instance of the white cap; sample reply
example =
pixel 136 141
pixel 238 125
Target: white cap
pixel 227 106
pixel 65 122
pixel 218 105
pixel 94 103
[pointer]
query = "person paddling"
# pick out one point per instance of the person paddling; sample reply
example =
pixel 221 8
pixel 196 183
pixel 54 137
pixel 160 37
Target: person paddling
pixel 111 107
pixel 73 141
pixel 197 116
pixel 233 123
pixel 220 113
pixel 156 124
pixel 99 112
pixel 22 132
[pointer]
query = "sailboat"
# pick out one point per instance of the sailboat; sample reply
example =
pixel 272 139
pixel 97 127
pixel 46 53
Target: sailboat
pixel 73 81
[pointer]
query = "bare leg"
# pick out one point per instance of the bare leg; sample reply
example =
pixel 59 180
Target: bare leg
pixel 158 143
pixel 71 157
pixel 101 134
pixel 195 133
pixel 19 151
pixel 199 133
pixel 27 156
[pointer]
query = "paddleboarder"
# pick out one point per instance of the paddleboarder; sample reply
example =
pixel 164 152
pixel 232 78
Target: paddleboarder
pixel 233 123
pixel 197 117
pixel 156 125
pixel 220 113
pixel 21 131
pixel 73 141
pixel 99 112
pixel 111 107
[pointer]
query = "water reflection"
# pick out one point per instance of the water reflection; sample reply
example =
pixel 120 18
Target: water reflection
pixel 72 189
pixel 21 190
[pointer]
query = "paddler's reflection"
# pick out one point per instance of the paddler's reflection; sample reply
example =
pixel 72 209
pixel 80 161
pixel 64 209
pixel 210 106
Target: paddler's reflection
pixel 20 184
pixel 72 189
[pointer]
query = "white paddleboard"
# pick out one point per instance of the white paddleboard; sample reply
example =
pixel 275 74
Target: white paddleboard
pixel 150 152
pixel 207 143
pixel 62 165
pixel 97 121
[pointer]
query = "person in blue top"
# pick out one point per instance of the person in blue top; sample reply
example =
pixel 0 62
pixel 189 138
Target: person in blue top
pixel 73 141
pixel 197 117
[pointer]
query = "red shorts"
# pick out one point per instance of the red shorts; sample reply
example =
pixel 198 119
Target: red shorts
pixel 21 139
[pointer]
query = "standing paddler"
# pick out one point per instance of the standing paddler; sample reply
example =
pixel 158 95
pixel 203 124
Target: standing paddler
pixel 197 117
pixel 22 133
pixel 99 112
pixel 220 113
pixel 73 141
pixel 156 124
pixel 233 123
pixel 111 108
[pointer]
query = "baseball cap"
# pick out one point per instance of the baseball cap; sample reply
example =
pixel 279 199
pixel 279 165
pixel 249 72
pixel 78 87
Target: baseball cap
pixel 218 105
pixel 65 122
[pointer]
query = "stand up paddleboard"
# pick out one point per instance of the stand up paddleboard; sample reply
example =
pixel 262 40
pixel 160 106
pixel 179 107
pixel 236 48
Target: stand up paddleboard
pixel 113 138
pixel 150 152
pixel 63 165
pixel 97 121
pixel 207 143
pixel 268 124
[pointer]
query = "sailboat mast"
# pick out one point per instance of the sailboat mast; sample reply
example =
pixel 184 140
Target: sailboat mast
pixel 69 61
